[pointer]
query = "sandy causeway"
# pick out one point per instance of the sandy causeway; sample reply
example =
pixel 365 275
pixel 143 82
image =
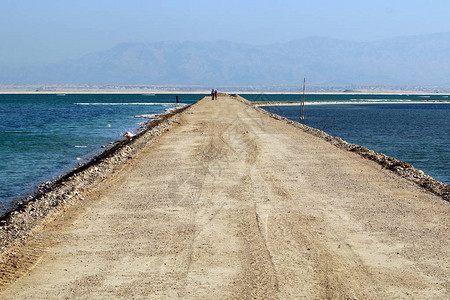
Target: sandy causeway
pixel 233 204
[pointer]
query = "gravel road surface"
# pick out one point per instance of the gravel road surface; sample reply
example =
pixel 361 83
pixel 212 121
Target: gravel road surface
pixel 232 204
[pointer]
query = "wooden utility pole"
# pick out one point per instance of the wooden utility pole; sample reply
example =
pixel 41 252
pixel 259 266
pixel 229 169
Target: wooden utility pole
pixel 302 105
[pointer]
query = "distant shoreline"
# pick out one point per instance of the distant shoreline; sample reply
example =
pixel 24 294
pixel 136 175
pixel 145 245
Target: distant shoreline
pixel 229 89
pixel 112 92
pixel 2 92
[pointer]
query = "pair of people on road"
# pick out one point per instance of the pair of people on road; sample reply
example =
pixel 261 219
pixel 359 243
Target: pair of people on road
pixel 214 94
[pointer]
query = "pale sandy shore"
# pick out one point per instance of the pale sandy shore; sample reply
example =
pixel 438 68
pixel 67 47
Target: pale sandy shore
pixel 229 202
pixel 89 91
pixel 345 93
pixel 292 103
pixel 207 91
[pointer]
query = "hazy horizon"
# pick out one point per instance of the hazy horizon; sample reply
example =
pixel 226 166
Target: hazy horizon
pixel 57 59
pixel 46 31
pixel 418 60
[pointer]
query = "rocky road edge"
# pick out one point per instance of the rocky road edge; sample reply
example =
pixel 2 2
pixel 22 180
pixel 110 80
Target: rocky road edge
pixel 54 197
pixel 400 168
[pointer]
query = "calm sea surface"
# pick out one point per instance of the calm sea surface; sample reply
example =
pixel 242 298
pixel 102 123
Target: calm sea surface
pixel 42 136
pixel 415 133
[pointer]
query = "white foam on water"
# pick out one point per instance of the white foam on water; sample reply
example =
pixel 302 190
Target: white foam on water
pixel 122 104
pixel 152 116
pixel 381 100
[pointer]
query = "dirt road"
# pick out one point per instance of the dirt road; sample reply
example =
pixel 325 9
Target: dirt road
pixel 232 204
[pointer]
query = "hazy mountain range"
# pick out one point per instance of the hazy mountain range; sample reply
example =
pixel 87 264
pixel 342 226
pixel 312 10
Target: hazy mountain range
pixel 415 60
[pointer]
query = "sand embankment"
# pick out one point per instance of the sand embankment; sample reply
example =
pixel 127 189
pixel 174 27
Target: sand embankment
pixel 278 103
pixel 233 203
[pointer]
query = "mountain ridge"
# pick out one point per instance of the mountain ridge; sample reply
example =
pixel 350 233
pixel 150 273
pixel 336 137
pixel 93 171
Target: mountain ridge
pixel 410 60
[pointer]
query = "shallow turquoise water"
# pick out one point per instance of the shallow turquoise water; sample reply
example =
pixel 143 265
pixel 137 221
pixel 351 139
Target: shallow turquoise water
pixel 415 133
pixel 42 136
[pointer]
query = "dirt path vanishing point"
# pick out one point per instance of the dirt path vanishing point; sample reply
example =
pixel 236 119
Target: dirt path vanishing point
pixel 232 204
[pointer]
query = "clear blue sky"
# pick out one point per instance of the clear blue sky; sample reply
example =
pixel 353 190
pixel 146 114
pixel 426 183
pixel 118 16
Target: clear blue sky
pixel 33 31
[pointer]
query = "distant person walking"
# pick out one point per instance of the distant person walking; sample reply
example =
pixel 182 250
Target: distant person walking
pixel 212 94
pixel 215 94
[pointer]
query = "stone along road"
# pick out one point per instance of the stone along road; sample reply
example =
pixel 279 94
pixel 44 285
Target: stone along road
pixel 230 203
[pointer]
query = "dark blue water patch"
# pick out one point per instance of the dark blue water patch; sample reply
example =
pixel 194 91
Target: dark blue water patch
pixel 42 136
pixel 415 133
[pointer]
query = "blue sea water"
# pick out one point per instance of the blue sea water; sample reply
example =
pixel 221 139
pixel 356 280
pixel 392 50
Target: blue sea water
pixel 44 135
pixel 417 133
